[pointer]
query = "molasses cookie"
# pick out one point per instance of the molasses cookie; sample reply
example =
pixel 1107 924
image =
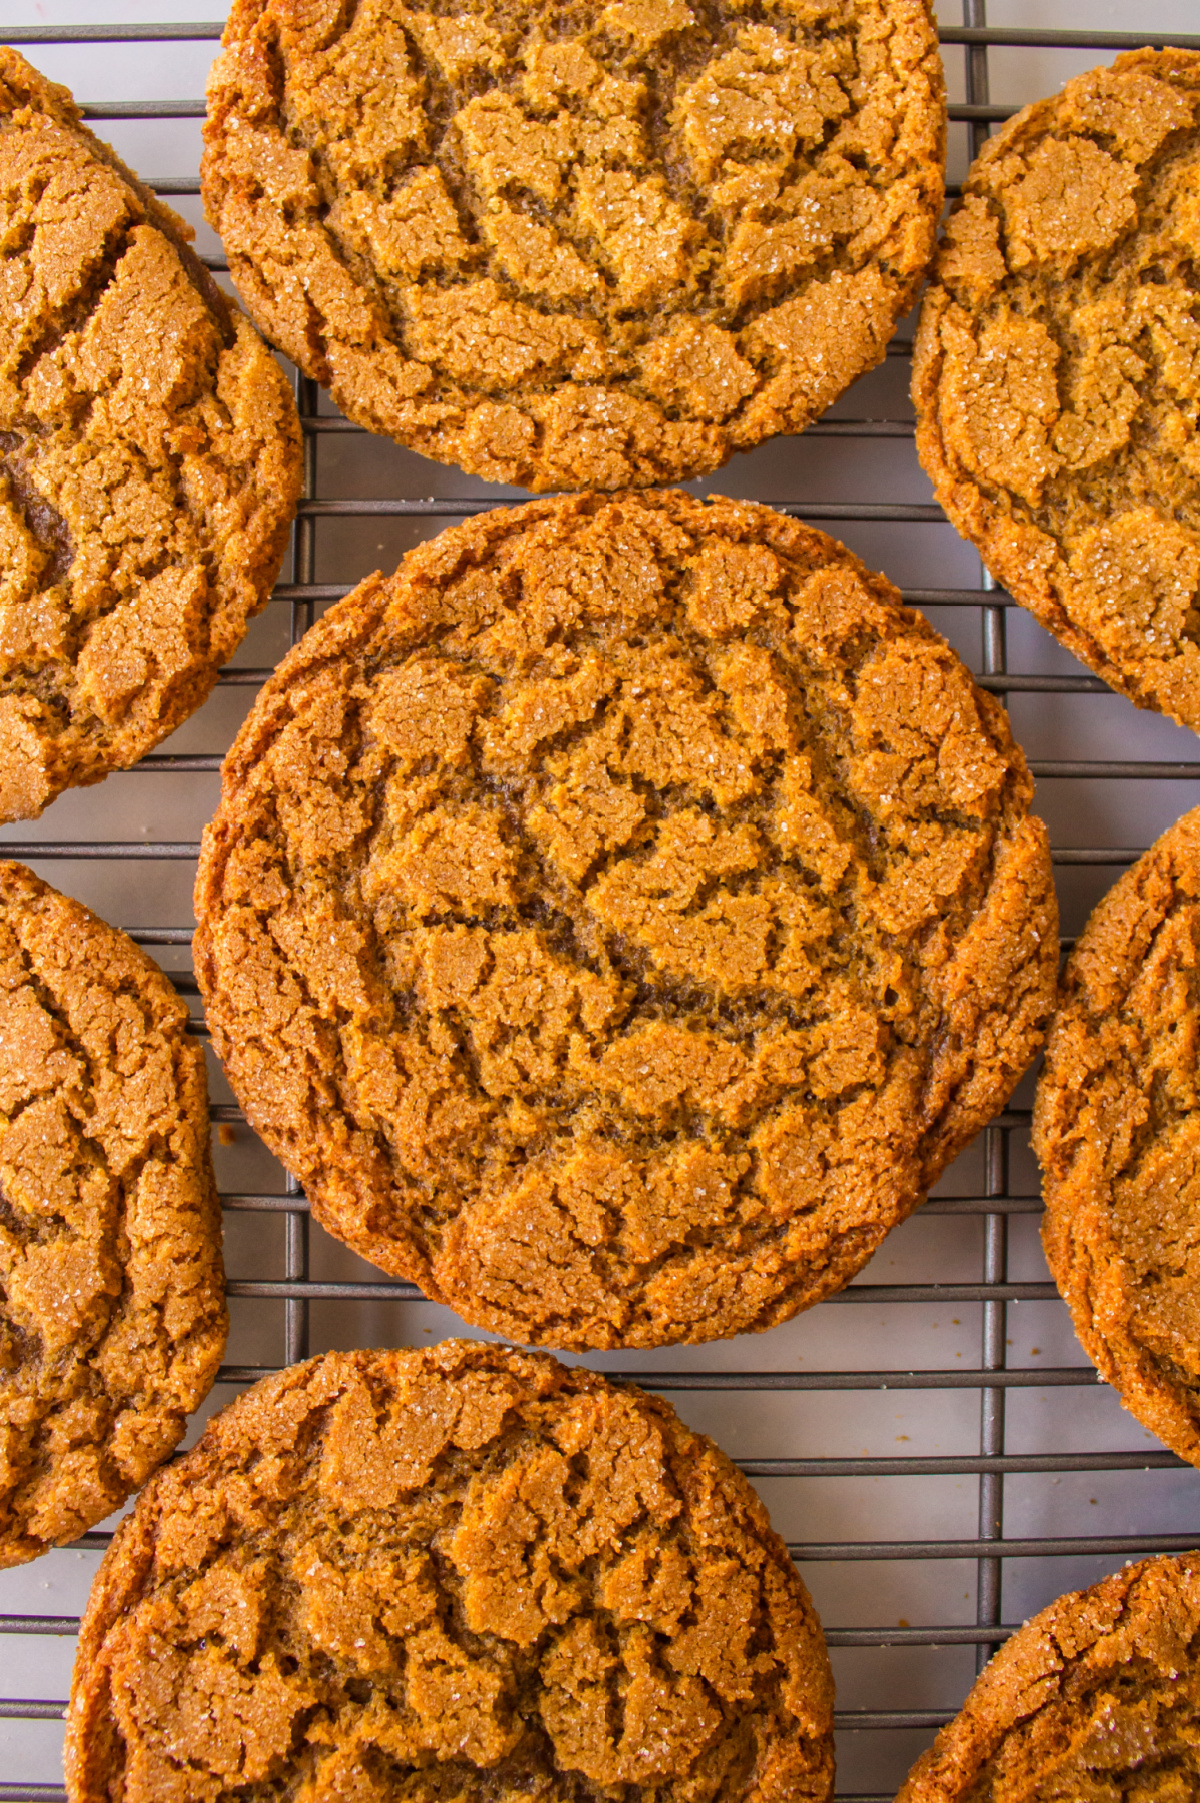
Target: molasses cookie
pixel 1094 1700
pixel 621 915
pixel 570 245
pixel 456 1573
pixel 112 1309
pixel 1057 382
pixel 1117 1129
pixel 149 458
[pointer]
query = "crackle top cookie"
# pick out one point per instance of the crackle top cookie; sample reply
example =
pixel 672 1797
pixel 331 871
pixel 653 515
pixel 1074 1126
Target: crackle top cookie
pixel 112 1307
pixel 618 917
pixel 1094 1700
pixel 575 245
pixel 458 1573
pixel 1057 371
pixel 149 458
pixel 1117 1129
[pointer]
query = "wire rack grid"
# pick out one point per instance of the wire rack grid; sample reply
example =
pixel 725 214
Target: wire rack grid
pixel 920 1560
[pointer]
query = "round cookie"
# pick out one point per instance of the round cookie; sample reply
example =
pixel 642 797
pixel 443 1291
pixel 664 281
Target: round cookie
pixel 1055 381
pixel 464 1572
pixel 569 245
pixel 619 917
pixel 1117 1130
pixel 1096 1699
pixel 149 458
pixel 112 1306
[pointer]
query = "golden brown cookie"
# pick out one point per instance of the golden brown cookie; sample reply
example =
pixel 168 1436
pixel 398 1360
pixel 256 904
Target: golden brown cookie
pixel 112 1307
pixel 460 1573
pixel 1057 375
pixel 1117 1129
pixel 1096 1700
pixel 576 245
pixel 619 917
pixel 149 458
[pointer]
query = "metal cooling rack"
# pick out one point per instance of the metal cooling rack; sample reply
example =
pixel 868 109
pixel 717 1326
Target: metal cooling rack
pixel 972 1247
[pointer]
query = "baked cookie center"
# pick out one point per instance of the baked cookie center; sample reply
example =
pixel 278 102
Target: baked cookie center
pixel 1057 380
pixel 463 1570
pixel 149 458
pixel 479 229
pixel 112 1315
pixel 612 891
pixel 1118 1134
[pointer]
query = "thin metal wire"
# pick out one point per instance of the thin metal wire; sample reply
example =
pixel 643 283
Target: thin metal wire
pixel 994 649
pixel 194 109
pixel 1049 1546
pixel 863 1295
pixel 912 513
pixel 1100 767
pixel 992 1464
pixel 304 569
pixel 951 1378
pixel 1021 38
pixel 295 1203
pixel 123 849
pixel 327 424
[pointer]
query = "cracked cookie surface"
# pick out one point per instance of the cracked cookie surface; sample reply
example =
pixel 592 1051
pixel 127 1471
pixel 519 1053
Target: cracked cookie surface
pixel 1057 371
pixel 149 458
pixel 1095 1700
pixel 620 916
pixel 459 1573
pixel 1117 1130
pixel 112 1306
pixel 577 246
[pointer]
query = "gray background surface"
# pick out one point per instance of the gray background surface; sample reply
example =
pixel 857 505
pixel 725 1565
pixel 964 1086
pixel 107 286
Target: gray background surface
pixel 831 1502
